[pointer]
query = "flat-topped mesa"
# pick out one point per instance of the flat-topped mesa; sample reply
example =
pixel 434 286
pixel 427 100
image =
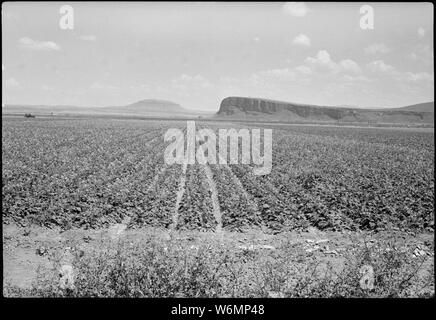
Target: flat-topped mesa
pixel 251 106
pixel 248 108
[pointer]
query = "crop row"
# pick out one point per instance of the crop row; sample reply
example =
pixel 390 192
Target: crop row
pixel 338 182
pixel 195 209
pixel 237 213
pixel 93 173
pixel 89 189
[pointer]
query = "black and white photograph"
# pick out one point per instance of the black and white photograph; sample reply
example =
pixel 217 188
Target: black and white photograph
pixel 274 150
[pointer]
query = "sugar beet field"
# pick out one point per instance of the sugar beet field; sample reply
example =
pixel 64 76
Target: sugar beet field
pixel 93 173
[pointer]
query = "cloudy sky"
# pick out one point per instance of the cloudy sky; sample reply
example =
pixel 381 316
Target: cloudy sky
pixel 196 54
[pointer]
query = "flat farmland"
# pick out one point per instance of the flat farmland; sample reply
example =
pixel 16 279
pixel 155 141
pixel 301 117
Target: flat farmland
pixel 95 173
pixel 97 184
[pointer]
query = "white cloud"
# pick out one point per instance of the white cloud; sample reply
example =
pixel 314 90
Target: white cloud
pixel 423 54
pixel 377 48
pixel 322 61
pixel 417 77
pixel 89 37
pixel 11 82
pixel 302 40
pixel 350 65
pixel 421 32
pixel 256 39
pixel 304 70
pixel 379 66
pixel 31 44
pixel 322 57
pixel 318 69
pixel 296 9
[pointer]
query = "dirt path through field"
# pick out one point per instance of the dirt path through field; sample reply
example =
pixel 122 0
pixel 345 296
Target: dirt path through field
pixel 214 197
pixel 180 192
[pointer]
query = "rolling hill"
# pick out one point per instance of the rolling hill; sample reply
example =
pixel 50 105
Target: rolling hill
pixel 420 107
pixel 149 107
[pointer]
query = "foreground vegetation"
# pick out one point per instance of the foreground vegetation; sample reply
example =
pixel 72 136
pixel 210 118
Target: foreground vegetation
pixel 172 269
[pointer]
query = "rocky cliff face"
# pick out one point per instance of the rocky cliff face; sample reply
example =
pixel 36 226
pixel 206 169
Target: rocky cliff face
pixel 264 109
pixel 232 105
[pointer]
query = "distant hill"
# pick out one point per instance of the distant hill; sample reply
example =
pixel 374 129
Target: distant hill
pixel 243 108
pixel 147 107
pixel 43 109
pixel 420 107
pixel 150 106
